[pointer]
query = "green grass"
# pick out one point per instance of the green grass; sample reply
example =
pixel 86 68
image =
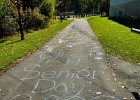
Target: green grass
pixel 117 39
pixel 12 49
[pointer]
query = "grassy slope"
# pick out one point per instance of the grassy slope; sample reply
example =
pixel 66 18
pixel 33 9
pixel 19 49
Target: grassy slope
pixel 117 39
pixel 14 49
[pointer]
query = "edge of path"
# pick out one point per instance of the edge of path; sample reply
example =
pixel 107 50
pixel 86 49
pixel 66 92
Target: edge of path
pixel 30 52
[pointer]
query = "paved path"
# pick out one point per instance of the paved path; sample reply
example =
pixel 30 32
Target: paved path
pixel 72 66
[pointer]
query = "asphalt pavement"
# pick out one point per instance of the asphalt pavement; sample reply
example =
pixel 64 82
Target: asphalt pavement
pixel 71 66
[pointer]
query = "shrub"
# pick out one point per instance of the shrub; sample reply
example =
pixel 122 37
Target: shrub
pixel 8 20
pixel 34 20
pixel 1 7
pixel 8 25
pixel 47 8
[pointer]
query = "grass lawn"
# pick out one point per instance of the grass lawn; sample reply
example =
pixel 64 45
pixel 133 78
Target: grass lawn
pixel 117 39
pixel 13 49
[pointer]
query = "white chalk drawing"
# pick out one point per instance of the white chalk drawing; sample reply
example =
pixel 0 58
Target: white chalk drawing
pixel 93 76
pixel 22 95
pixel 50 49
pixel 98 58
pixel 61 55
pixel 73 44
pixel 79 55
pixel 61 41
pixel 86 75
pixel 73 85
pixel 52 96
pixel 43 55
pixel 35 90
pixel 90 54
pixel 51 85
pixel 58 54
pixel 71 37
pixel 68 61
pixel 77 62
pixel 62 87
pixel 72 76
pixel 76 95
pixel 31 69
pixel 88 35
pixel 48 74
pixel 69 46
pixel 100 53
pixel 46 81
pixel 47 61
pixel 33 72
pixel 66 75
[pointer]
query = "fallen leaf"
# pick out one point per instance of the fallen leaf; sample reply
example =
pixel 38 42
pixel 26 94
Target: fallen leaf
pixel 98 93
pixel 113 89
pixel 124 98
pixel 131 98
pixel 90 90
pixel 122 86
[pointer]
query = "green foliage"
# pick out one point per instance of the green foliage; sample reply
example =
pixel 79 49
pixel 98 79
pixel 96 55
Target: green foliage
pixel 83 6
pixel 32 17
pixel 13 49
pixel 34 20
pixel 47 8
pixel 117 39
pixel 31 3
pixel 1 7
pixel 78 6
pixel 8 25
pixel 104 6
pixel 8 20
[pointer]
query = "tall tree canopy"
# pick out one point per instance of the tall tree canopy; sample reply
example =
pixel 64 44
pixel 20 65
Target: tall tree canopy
pixel 105 6
pixel 78 6
pixel 83 6
pixel 34 14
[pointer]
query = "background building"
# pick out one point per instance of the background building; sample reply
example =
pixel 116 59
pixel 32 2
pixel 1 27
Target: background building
pixel 129 9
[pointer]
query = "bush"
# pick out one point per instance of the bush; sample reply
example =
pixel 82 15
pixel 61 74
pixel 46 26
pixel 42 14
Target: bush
pixel 8 20
pixel 1 7
pixel 34 20
pixel 47 8
pixel 8 25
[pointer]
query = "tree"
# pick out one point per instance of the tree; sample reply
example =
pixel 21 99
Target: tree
pixel 78 6
pixel 47 7
pixel 31 14
pixel 104 6
pixel 31 3
pixel 8 24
